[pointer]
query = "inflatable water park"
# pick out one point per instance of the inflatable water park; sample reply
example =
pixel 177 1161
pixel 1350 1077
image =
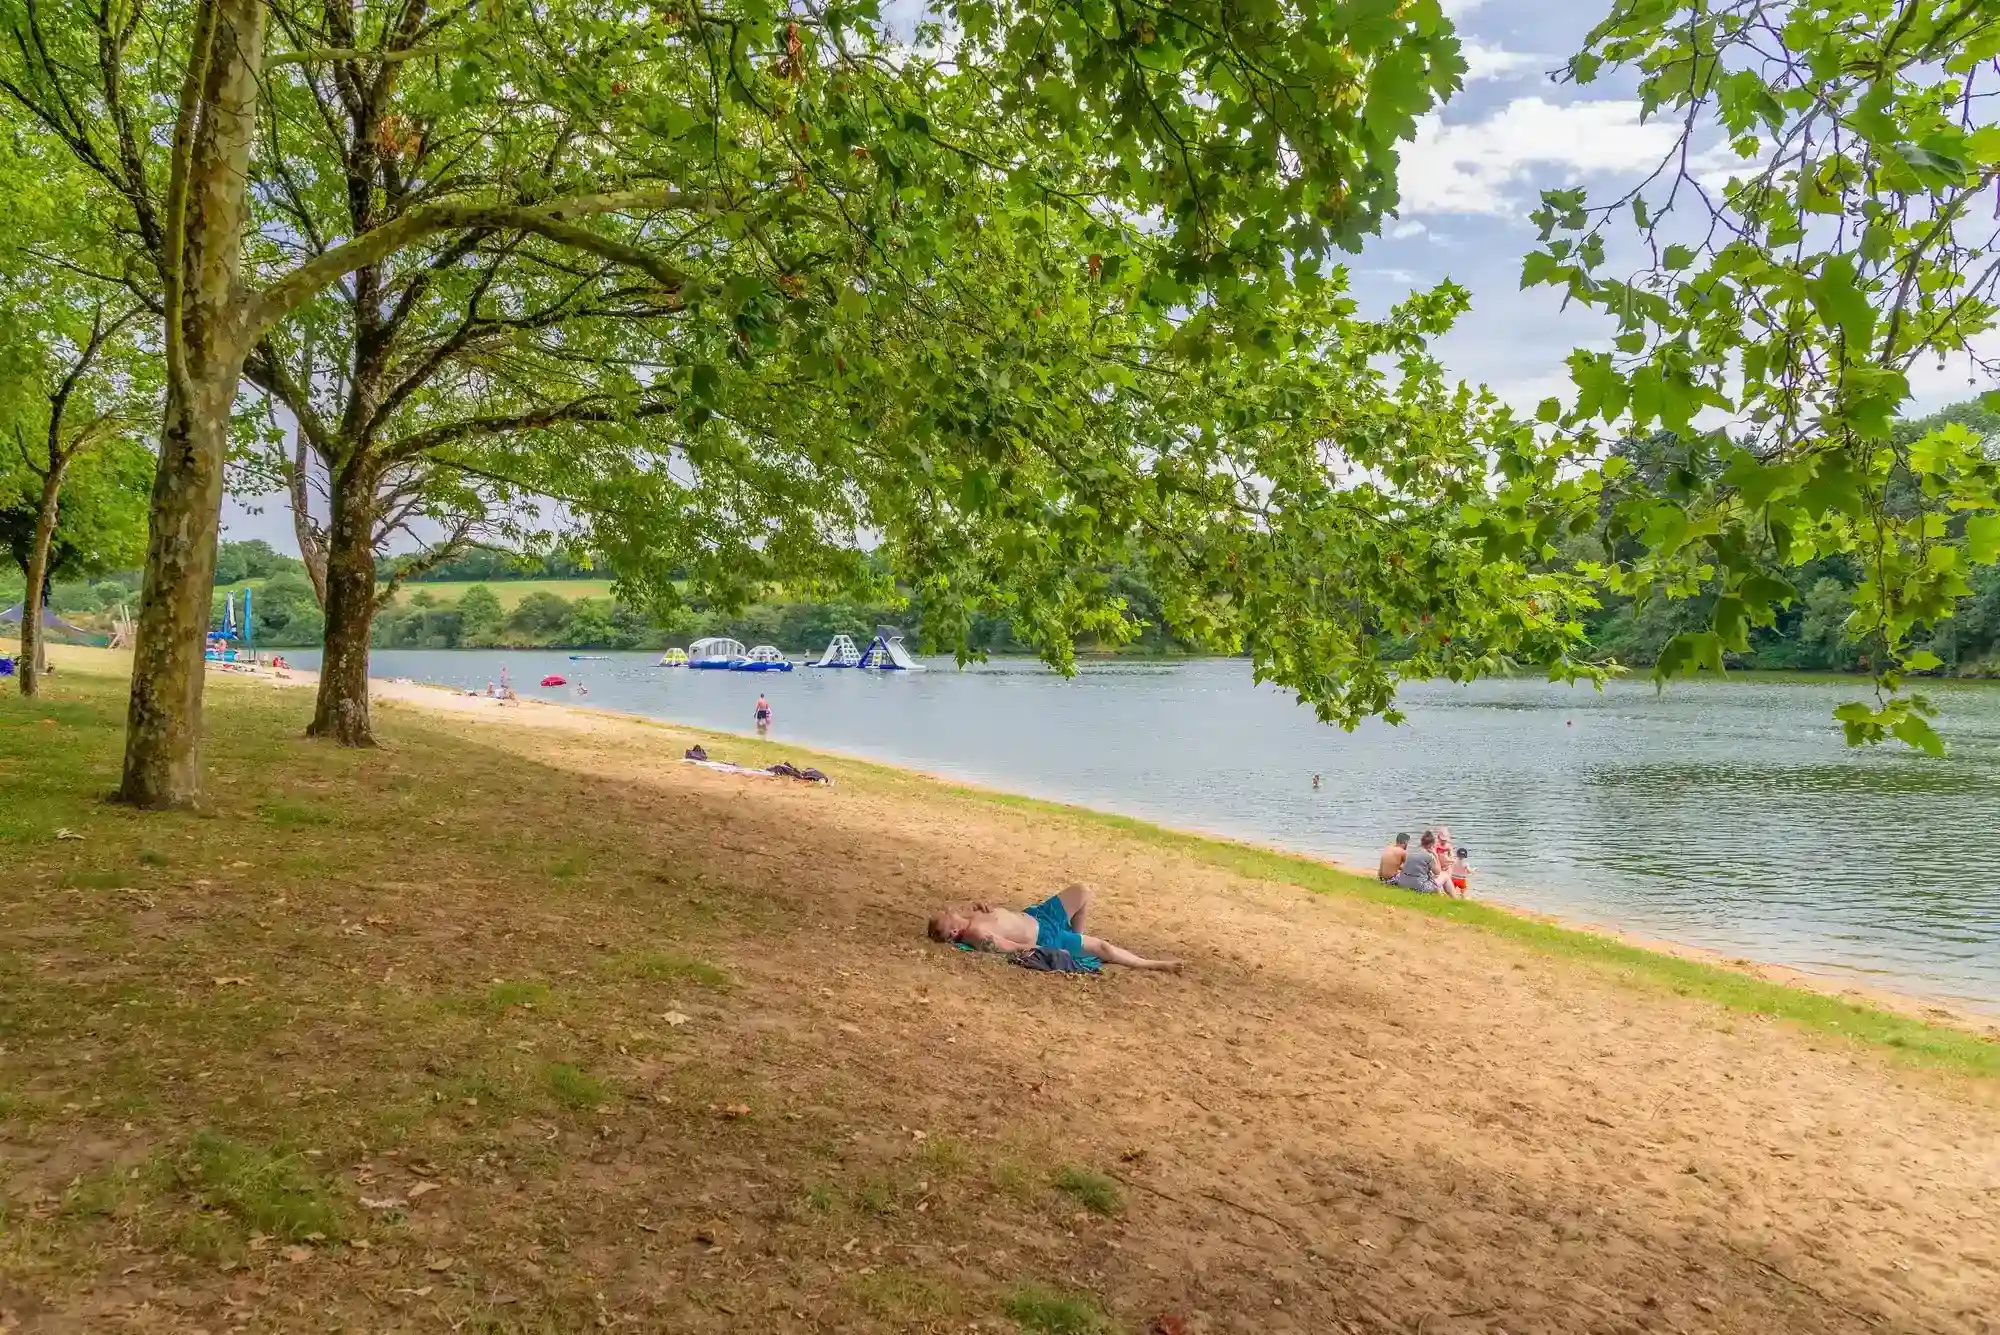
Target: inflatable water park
pixel 885 653
pixel 719 653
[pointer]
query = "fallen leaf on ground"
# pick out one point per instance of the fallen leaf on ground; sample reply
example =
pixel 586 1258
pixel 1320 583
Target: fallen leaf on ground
pixel 676 1019
pixel 232 982
pixel 734 1110
pixel 383 1203
pixel 437 1265
pixel 67 833
pixel 1171 1323
pixel 297 1254
pixel 421 1188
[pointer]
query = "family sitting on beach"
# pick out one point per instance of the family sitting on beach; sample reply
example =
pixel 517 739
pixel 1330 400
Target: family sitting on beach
pixel 1431 868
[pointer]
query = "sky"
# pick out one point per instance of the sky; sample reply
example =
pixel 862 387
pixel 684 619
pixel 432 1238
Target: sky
pixel 1469 181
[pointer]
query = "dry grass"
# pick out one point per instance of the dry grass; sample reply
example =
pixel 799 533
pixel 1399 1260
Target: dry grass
pixel 519 1026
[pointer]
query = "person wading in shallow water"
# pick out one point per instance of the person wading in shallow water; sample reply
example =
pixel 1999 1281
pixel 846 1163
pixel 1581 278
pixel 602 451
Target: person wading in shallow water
pixel 763 716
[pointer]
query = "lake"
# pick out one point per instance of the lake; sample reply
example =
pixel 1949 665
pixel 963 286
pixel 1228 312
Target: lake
pixel 1724 814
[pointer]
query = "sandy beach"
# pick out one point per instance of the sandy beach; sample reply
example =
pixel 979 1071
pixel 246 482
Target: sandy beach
pixel 535 713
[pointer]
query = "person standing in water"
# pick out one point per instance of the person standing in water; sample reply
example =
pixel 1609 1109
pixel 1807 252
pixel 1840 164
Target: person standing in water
pixel 763 715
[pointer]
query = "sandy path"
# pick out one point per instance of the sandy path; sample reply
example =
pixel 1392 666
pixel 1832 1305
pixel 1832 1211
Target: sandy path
pixel 1344 1116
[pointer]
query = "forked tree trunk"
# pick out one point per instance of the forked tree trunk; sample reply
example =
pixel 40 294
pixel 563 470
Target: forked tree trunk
pixel 32 600
pixel 163 726
pixel 341 711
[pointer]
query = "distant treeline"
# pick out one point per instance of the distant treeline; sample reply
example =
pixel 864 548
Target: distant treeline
pixel 543 619
pixel 491 565
pixel 1810 635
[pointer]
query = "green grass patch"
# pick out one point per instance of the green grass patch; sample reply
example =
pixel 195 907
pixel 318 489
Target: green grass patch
pixel 294 815
pixel 266 1191
pixel 904 1297
pixel 945 1157
pixel 1014 1178
pixel 112 1191
pixel 93 880
pixel 1036 1307
pixel 574 1087
pixel 673 970
pixel 1093 1191
pixel 502 997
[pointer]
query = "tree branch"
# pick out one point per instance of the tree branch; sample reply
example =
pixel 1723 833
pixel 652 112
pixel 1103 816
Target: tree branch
pixel 550 220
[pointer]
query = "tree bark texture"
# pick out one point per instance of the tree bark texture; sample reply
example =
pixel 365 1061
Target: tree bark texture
pixel 33 655
pixel 163 724
pixel 341 712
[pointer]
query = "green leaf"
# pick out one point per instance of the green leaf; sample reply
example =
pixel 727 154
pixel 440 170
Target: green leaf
pixel 1915 731
pixel 1982 538
pixel 1840 303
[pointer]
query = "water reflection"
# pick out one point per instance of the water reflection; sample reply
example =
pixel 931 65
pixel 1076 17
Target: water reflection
pixel 1728 814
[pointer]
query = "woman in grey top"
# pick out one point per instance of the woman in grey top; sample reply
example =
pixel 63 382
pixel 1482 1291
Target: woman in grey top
pixel 1420 868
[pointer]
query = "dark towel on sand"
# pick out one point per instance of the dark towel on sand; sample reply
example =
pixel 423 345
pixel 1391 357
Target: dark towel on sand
pixel 1042 959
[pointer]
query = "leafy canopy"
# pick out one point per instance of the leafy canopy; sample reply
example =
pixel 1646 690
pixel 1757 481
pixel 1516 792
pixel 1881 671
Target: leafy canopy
pixel 1820 234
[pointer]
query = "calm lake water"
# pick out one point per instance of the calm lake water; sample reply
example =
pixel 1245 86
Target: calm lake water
pixel 1724 814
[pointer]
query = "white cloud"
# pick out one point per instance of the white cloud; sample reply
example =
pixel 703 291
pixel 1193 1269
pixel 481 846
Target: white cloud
pixel 1458 9
pixel 1493 62
pixel 1409 227
pixel 1477 167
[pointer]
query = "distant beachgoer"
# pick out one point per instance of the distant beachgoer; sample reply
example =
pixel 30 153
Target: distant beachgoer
pixel 1391 862
pixel 1461 873
pixel 1420 869
pixel 506 683
pixel 763 715
pixel 1315 783
pixel 1054 924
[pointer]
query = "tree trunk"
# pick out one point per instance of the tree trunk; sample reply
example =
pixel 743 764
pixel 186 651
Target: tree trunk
pixel 342 709
pixel 312 541
pixel 163 725
pixel 32 603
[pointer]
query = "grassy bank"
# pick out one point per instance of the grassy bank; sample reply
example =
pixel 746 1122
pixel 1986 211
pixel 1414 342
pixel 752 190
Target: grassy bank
pixel 510 592
pixel 518 1025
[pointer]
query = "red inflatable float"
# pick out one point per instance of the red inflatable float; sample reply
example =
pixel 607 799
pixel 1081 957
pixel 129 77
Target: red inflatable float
pixel 553 680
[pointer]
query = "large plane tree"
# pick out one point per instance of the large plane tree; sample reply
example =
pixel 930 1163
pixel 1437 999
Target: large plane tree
pixel 1161 188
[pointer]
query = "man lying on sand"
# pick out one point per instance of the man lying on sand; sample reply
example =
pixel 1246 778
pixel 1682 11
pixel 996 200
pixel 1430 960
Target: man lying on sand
pixel 1054 924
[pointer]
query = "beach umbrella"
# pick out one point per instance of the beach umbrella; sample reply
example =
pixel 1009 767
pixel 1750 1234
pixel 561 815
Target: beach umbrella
pixel 249 631
pixel 229 617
